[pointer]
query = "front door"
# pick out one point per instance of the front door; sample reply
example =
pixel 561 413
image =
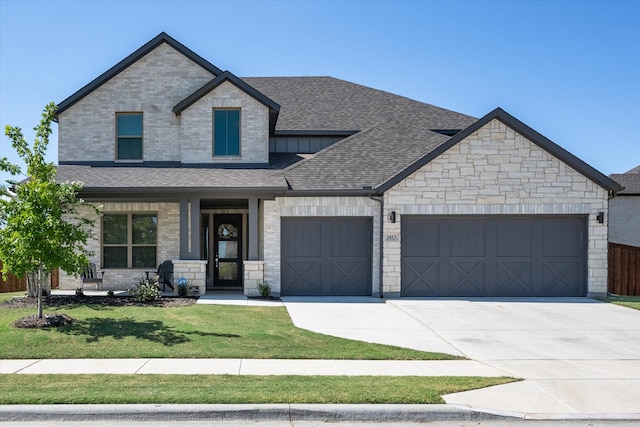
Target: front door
pixel 227 251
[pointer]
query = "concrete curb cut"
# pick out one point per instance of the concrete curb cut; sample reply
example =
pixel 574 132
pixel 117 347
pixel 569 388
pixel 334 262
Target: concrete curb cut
pixel 292 412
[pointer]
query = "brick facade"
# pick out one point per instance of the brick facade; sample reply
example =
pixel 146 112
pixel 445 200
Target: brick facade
pixel 497 171
pixel 197 124
pixel 153 85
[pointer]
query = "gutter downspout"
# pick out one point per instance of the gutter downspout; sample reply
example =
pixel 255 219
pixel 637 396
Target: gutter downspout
pixel 380 200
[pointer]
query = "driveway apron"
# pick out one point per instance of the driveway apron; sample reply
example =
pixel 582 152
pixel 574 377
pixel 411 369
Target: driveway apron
pixel 577 355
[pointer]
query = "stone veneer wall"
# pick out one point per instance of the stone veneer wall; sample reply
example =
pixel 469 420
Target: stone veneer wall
pixel 274 210
pixel 153 85
pixel 253 276
pixel 497 171
pixel 168 243
pixel 195 271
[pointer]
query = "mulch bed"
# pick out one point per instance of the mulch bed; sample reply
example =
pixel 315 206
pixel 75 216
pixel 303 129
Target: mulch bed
pixel 47 321
pixel 115 301
pixel 55 320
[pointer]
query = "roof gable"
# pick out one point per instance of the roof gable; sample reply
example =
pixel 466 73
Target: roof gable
pixel 524 130
pixel 227 76
pixel 135 56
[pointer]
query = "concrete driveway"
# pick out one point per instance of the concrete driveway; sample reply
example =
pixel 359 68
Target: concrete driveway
pixel 576 355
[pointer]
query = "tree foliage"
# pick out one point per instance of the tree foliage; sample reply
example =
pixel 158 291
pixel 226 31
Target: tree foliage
pixel 40 225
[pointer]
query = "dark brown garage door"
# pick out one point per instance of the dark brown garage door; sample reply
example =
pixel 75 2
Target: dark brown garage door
pixel 510 256
pixel 326 256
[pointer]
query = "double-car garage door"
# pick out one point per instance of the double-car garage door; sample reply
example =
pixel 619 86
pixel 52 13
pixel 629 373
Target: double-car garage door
pixel 514 256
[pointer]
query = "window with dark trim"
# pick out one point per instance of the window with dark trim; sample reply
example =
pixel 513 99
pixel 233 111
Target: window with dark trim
pixel 129 240
pixel 226 132
pixel 129 136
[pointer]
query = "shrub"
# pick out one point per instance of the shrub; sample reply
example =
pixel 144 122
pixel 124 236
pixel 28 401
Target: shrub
pixel 110 293
pixel 147 290
pixel 265 289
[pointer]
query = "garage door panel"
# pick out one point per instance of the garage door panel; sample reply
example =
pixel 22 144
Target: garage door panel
pixel 514 239
pixel 466 238
pixel 421 277
pixel 349 277
pixel 303 277
pixel 493 256
pixel 560 274
pixel 558 238
pixel 301 237
pixel 422 242
pixel 514 277
pixel 349 239
pixel 326 256
pixel 467 277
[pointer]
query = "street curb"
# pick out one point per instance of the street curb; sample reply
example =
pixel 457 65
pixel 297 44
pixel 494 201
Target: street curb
pixel 290 412
pixel 231 412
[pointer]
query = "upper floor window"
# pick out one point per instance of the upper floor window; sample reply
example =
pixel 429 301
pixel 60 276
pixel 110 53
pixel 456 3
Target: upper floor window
pixel 129 136
pixel 226 132
pixel 129 240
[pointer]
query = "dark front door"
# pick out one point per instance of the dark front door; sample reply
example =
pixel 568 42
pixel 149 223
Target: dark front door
pixel 227 248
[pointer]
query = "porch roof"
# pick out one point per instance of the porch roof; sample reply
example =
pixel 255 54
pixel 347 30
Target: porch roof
pixel 141 178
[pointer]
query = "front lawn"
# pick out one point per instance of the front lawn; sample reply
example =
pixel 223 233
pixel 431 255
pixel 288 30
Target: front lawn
pixel 630 302
pixel 165 389
pixel 196 331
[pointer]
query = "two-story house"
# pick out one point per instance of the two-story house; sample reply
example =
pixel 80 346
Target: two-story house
pixel 319 186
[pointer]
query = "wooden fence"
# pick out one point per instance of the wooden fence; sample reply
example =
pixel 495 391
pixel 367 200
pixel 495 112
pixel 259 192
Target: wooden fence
pixel 13 284
pixel 624 270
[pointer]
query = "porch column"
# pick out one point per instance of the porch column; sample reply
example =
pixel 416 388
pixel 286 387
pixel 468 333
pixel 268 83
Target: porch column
pixel 190 228
pixel 253 229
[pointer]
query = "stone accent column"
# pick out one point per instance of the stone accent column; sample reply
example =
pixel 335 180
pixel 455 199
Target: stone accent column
pixel 195 271
pixel 253 276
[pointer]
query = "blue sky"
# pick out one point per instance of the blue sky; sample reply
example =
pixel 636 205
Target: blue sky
pixel 569 69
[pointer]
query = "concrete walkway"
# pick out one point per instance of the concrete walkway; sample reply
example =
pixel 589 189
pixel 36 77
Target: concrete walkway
pixel 580 358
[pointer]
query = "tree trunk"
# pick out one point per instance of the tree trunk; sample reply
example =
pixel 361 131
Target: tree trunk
pixel 40 286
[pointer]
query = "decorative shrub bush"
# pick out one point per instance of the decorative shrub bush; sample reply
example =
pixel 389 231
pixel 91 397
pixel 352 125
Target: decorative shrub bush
pixel 264 288
pixel 147 290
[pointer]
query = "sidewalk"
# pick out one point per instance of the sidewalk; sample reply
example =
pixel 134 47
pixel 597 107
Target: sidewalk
pixel 251 367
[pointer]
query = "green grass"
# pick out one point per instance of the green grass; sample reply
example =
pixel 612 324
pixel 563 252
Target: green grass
pixel 630 302
pixel 110 389
pixel 196 331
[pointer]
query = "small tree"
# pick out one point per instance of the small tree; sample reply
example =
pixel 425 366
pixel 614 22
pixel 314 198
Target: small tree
pixel 40 228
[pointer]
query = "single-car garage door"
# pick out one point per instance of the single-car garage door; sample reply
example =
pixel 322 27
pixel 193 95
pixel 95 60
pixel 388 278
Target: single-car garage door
pixel 511 256
pixel 326 256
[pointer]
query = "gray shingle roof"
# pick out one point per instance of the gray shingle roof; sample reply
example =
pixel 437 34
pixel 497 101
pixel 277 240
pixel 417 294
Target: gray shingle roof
pixel 327 103
pixel 129 178
pixel 630 181
pixel 368 158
